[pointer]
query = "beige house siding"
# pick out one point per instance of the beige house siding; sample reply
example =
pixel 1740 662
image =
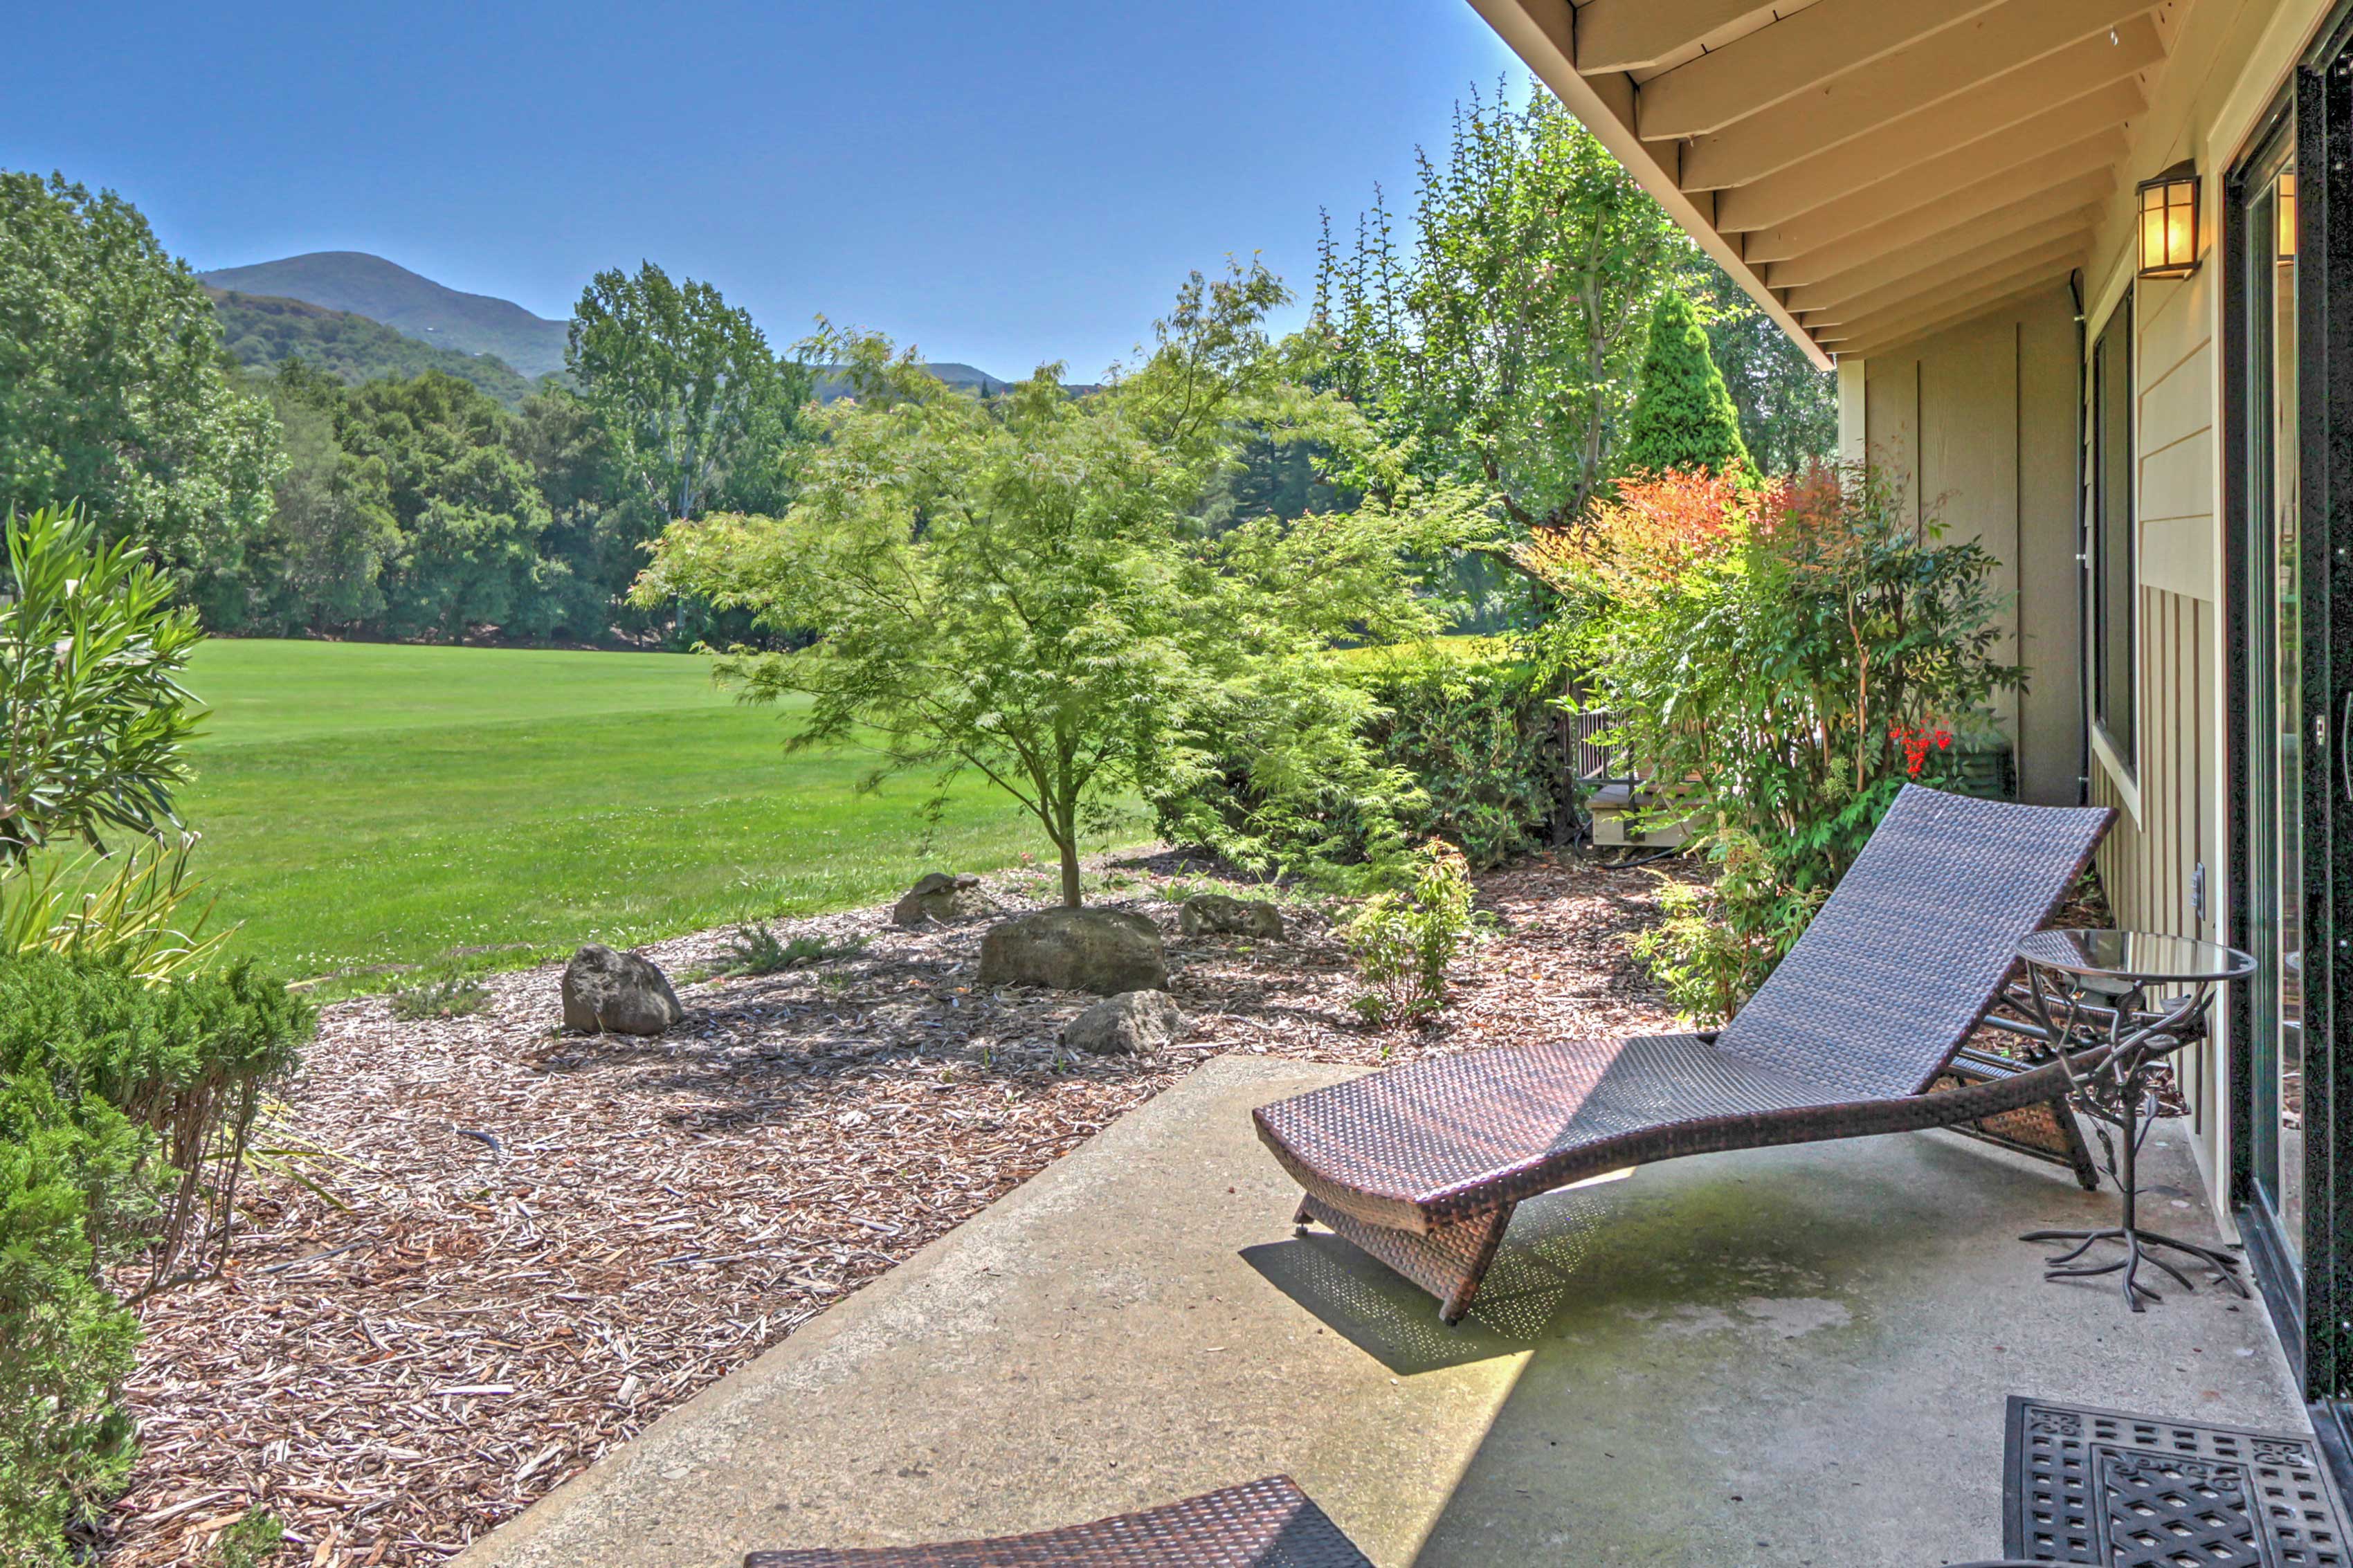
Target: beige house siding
pixel 1947 410
pixel 1979 421
pixel 2229 62
pixel 2168 826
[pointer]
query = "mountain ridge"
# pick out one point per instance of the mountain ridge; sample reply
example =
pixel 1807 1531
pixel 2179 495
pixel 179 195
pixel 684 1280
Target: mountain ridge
pixel 263 331
pixel 265 301
pixel 359 284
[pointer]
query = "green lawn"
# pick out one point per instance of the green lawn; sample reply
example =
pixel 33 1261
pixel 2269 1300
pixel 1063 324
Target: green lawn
pixel 366 805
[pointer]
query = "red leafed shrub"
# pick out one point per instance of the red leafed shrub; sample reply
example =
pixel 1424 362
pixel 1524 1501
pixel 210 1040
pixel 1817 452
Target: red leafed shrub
pixel 1792 681
pixel 1658 528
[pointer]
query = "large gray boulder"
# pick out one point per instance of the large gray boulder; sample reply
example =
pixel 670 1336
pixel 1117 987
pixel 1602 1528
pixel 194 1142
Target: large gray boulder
pixel 1103 951
pixel 1134 1024
pixel 609 993
pixel 1218 913
pixel 936 896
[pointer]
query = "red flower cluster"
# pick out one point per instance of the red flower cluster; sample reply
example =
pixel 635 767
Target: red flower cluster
pixel 1917 743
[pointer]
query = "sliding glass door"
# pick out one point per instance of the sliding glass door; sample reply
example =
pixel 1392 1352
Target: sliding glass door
pixel 2273 586
pixel 2287 250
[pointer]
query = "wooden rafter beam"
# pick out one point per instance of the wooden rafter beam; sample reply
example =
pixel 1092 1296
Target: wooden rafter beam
pixel 1915 162
pixel 1929 288
pixel 1929 202
pixel 1629 35
pixel 1846 298
pixel 1542 33
pixel 1960 310
pixel 1887 252
pixel 2044 50
pixel 1794 55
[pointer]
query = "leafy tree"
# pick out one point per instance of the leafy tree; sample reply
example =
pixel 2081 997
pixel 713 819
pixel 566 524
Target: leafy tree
pixel 1498 342
pixel 468 509
pixel 1021 585
pixel 1789 409
pixel 113 391
pixel 600 523
pixel 688 392
pixel 317 566
pixel 1682 417
pixel 92 716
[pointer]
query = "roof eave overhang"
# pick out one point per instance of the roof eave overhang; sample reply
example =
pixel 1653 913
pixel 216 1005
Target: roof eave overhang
pixel 1544 43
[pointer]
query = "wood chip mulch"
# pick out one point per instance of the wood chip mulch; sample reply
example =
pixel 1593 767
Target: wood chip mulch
pixel 491 1253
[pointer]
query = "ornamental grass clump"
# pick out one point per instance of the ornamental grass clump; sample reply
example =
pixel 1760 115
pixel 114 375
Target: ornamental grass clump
pixel 1787 661
pixel 1404 942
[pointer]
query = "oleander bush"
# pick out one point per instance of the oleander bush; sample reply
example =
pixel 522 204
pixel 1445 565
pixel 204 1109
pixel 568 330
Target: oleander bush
pixel 132 1065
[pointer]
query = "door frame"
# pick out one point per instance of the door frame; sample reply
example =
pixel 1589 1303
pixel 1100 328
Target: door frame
pixel 2314 1315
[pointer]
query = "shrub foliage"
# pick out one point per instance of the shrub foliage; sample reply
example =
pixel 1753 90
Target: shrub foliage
pixel 1776 673
pixel 93 715
pixel 123 1108
pixel 1683 418
pixel 1404 942
pixel 1464 749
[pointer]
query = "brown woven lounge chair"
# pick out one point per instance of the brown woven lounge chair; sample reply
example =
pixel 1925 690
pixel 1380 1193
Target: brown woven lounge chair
pixel 1421 1166
pixel 1268 1523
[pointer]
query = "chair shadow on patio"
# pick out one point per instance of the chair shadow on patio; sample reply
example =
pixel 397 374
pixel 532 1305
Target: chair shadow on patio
pixel 1672 1244
pixel 1541 1268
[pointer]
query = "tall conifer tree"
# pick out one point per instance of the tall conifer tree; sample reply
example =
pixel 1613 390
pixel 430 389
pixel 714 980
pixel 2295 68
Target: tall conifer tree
pixel 1682 417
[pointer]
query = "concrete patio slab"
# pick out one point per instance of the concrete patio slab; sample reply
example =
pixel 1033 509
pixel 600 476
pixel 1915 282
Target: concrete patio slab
pixel 1787 1356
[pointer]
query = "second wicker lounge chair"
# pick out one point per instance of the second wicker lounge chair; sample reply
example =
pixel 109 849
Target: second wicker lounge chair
pixel 1421 1166
pixel 1268 1524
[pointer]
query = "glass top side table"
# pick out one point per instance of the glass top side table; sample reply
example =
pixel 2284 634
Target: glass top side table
pixel 2111 1063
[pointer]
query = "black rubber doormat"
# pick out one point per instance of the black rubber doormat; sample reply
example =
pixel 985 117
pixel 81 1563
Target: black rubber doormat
pixel 2133 1491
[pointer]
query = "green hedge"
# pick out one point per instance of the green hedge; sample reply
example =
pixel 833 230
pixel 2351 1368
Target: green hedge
pixel 1483 738
pixel 1472 745
pixel 102 1077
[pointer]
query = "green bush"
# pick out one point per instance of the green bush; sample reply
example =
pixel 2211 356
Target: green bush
pixel 123 1111
pixel 1793 673
pixel 1404 942
pixel 1483 739
pixel 1467 750
pixel 1683 416
pixel 91 709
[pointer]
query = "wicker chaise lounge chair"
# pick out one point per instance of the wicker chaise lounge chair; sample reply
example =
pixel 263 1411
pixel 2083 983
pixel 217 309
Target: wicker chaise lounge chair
pixel 1421 1166
pixel 1268 1524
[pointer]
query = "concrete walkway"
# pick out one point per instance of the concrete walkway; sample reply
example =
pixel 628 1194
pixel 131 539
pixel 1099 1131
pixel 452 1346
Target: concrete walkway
pixel 1794 1356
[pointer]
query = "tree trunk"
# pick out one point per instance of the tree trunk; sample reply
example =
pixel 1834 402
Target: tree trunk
pixel 1069 849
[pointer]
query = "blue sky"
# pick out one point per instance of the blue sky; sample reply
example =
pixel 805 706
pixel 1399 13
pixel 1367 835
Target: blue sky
pixel 998 183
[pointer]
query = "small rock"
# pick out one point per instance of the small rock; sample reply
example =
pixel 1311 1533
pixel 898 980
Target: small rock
pixel 1102 950
pixel 1134 1023
pixel 609 993
pixel 1230 916
pixel 936 896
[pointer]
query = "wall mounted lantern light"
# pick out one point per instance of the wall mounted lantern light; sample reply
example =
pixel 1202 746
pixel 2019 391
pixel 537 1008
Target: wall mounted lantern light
pixel 2169 222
